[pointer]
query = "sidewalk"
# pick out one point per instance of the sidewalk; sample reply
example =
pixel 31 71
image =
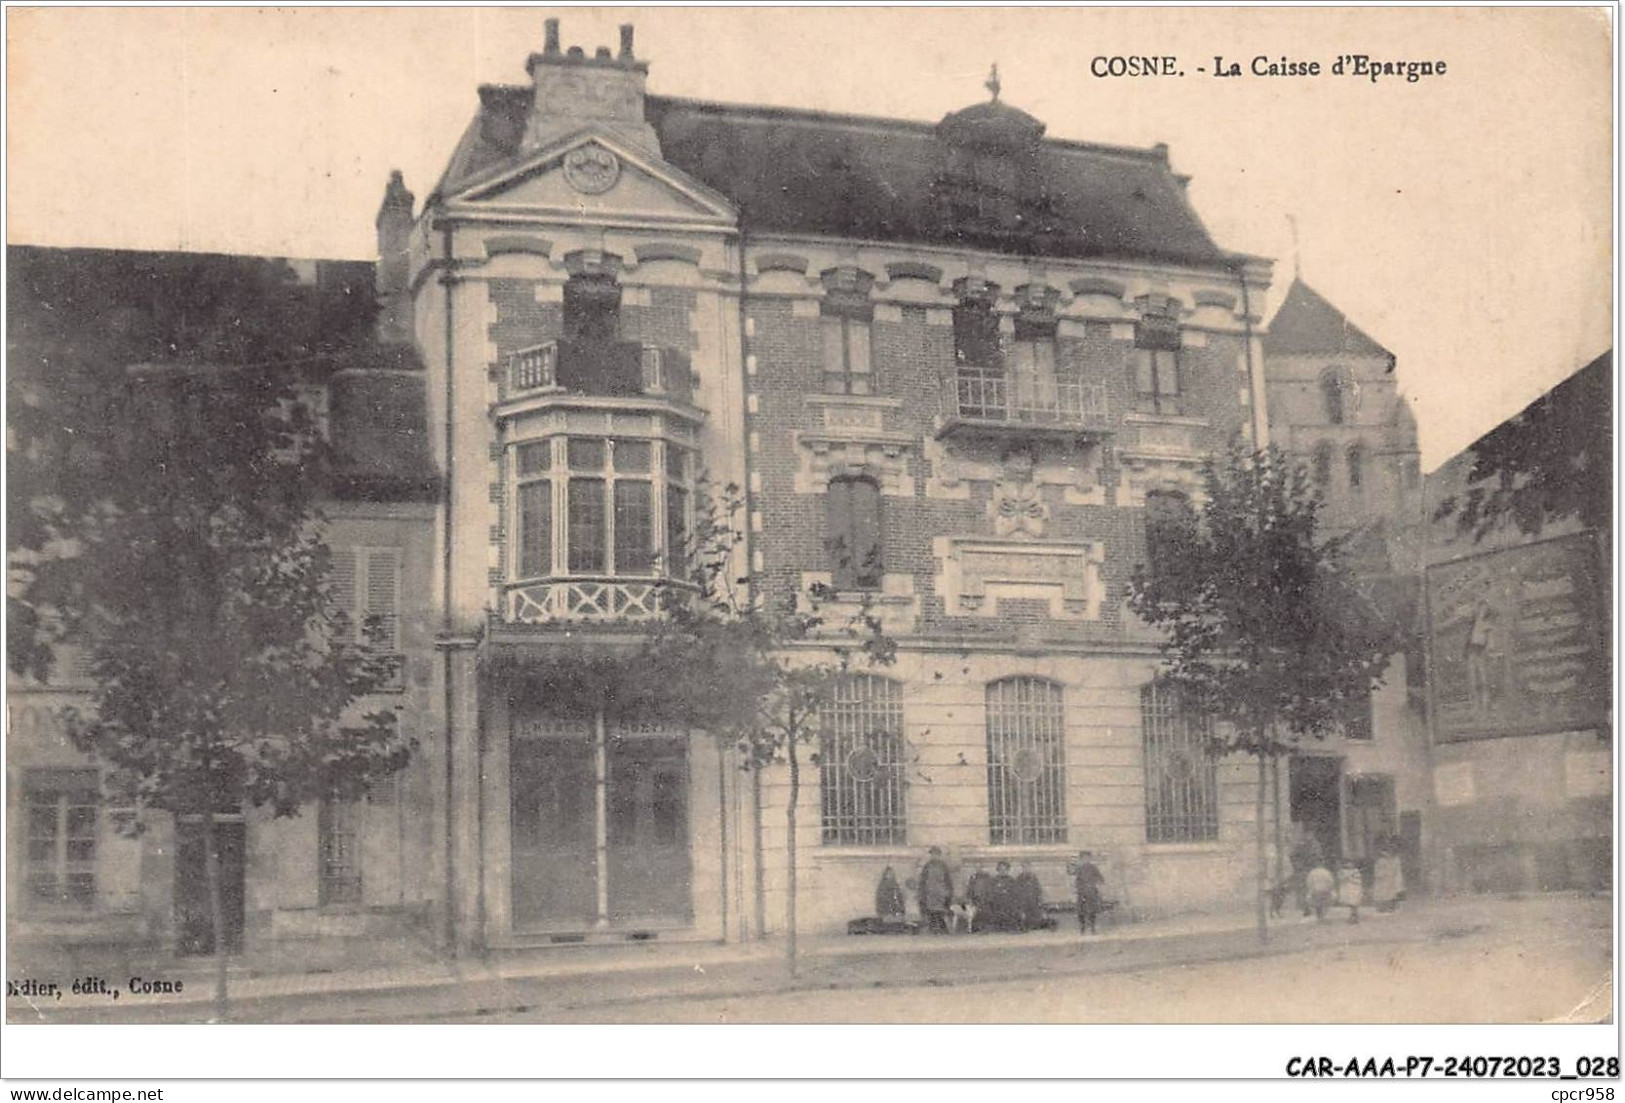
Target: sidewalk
pixel 583 977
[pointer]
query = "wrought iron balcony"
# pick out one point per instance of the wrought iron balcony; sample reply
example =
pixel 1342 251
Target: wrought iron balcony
pixel 614 368
pixel 987 399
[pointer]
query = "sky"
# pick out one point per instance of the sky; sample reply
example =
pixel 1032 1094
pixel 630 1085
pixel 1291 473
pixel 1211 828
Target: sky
pixel 1464 221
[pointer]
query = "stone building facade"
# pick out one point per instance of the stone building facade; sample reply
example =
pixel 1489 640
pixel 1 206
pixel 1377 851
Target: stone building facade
pixel 1335 406
pixel 952 366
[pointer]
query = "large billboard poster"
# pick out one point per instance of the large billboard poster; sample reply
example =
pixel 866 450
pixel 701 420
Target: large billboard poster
pixel 1516 641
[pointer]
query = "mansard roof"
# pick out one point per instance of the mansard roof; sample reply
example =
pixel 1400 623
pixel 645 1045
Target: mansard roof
pixel 807 172
pixel 1308 325
pixel 104 310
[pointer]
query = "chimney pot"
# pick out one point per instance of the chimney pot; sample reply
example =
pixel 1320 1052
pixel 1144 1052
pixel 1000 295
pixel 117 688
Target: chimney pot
pixel 552 46
pixel 626 42
pixel 602 53
pixel 576 53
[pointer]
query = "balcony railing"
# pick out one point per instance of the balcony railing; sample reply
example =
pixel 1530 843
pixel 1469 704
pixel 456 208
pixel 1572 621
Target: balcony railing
pixel 619 368
pixel 585 599
pixel 993 397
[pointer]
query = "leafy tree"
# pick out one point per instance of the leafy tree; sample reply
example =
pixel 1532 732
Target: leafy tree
pixel 167 523
pixel 1551 461
pixel 1266 630
pixel 755 672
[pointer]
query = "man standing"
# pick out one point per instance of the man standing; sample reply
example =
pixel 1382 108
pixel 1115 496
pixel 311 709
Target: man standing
pixel 936 892
pixel 1088 881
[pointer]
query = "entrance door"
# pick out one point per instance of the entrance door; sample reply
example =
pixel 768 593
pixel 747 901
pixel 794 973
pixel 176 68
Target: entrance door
pixel 648 828
pixel 1316 783
pixel 1372 814
pixel 193 924
pixel 555 871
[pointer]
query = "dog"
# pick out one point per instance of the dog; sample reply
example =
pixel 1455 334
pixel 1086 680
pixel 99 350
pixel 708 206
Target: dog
pixel 961 917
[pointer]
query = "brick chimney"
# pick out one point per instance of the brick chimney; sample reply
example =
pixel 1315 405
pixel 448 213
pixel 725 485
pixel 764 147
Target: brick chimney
pixel 394 224
pixel 574 91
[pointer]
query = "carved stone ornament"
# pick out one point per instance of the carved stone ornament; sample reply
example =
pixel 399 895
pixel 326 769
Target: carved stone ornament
pixel 591 169
pixel 1017 507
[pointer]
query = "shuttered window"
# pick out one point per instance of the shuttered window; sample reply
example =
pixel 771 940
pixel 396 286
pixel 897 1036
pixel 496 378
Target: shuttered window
pixel 365 588
pixel 853 534
pixel 846 355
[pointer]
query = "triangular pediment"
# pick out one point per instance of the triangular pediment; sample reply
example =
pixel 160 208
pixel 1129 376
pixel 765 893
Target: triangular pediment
pixel 591 173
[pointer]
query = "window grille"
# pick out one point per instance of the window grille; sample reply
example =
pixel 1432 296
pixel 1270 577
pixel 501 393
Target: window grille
pixel 339 840
pixel 61 836
pixel 1026 762
pixel 1181 782
pixel 861 764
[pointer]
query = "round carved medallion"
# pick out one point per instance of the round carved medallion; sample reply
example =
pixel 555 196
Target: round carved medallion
pixel 591 169
pixel 1027 764
pixel 863 764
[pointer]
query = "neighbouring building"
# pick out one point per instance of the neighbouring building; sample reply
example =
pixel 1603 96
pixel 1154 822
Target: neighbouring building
pixel 1520 680
pixel 1334 405
pixel 81 880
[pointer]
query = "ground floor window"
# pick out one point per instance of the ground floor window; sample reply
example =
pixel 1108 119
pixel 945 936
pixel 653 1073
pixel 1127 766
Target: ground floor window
pixel 1026 762
pixel 61 836
pixel 338 834
pixel 861 763
pixel 1181 782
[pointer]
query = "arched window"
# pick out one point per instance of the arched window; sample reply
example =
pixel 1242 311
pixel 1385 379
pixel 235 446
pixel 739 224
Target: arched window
pixel 852 530
pixel 1356 458
pixel 1323 464
pixel 1181 784
pixel 1168 517
pixel 861 764
pixel 1341 395
pixel 1026 762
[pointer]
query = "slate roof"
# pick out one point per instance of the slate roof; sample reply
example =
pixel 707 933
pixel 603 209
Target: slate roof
pixel 102 310
pixel 808 172
pixel 1308 325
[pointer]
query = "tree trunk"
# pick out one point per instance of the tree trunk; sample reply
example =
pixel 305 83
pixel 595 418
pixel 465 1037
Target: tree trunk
pixel 217 917
pixel 790 857
pixel 1263 862
pixel 1280 837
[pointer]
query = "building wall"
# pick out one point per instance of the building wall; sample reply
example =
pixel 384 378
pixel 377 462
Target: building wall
pixel 939 493
pixel 947 794
pixel 134 872
pixel 1531 811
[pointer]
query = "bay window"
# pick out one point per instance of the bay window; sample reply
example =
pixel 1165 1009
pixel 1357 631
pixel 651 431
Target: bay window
pixel 600 507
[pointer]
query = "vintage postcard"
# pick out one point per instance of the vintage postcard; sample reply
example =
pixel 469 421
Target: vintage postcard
pixel 813 516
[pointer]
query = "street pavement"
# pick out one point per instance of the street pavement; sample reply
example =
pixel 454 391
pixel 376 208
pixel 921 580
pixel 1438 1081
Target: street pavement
pixel 1470 959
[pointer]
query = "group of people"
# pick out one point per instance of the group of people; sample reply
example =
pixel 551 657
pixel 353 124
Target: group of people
pixel 997 901
pixel 1318 888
